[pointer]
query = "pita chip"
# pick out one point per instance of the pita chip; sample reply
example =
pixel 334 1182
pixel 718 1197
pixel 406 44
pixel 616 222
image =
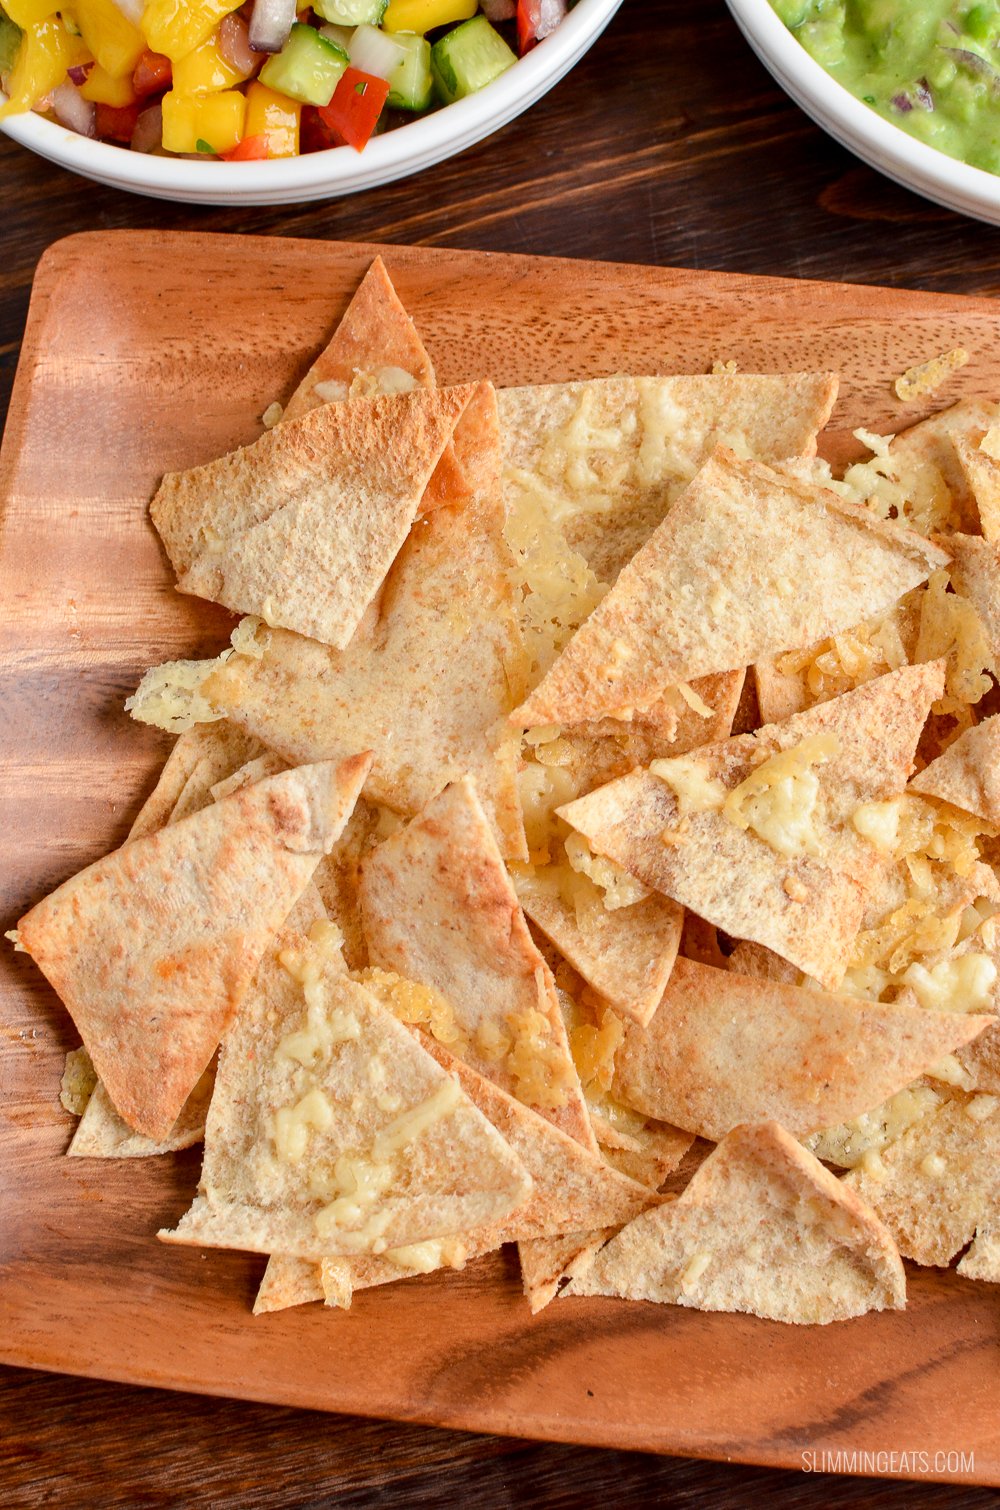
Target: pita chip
pixel 302 526
pixel 804 899
pixel 201 756
pixel 102 1134
pixel 153 947
pixel 376 343
pixel 982 1258
pixel 932 447
pixel 646 1152
pixel 591 468
pixel 975 574
pixel 748 562
pixel 761 1228
pixel 333 1132
pixel 981 477
pixel 723 1049
pixel 425 683
pixel 933 1186
pixel 439 909
pixel 968 773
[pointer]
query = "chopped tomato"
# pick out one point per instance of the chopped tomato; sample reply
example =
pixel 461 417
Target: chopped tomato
pixel 535 20
pixel 251 149
pixel 316 135
pixel 116 121
pixel 356 106
pixel 152 74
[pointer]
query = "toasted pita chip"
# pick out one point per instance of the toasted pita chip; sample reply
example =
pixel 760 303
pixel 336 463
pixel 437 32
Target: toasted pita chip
pixel 575 449
pixel 761 1228
pixel 723 1049
pixel 933 1186
pixel 975 574
pixel 333 1132
pixel 806 907
pixel 376 340
pixel 981 479
pixel 646 1152
pixel 288 1282
pixel 932 445
pixel 748 562
pixel 968 773
pixel 982 1259
pixel 439 909
pixel 426 681
pixel 549 1262
pixel 302 526
pixel 153 947
pixel 102 1134
pixel 202 756
pixel 258 769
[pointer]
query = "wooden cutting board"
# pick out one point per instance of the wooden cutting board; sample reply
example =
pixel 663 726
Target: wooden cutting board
pixel 148 352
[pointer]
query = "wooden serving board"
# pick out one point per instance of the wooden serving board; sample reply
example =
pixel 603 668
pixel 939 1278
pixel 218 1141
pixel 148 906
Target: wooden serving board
pixel 147 352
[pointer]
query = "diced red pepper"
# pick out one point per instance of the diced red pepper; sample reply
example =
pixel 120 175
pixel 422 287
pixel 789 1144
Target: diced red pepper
pixel 314 134
pixel 116 121
pixel 356 106
pixel 152 74
pixel 252 149
pixel 535 20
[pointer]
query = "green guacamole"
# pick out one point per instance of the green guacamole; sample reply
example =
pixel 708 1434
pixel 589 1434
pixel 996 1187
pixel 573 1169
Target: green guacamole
pixel 929 66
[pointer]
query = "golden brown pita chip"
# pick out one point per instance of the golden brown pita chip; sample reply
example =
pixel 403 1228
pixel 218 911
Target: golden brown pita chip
pixel 153 947
pixel 258 769
pixel 975 574
pixel 981 479
pixel 302 526
pixel 932 444
pixel 427 680
pixel 594 466
pixel 723 1049
pixel 749 561
pixel 982 1259
pixel 761 1228
pixel 805 906
pixel 200 757
pixel 375 340
pixel 934 1186
pixel 968 773
pixel 646 1152
pixel 102 1134
pixel 439 909
pixel 332 1131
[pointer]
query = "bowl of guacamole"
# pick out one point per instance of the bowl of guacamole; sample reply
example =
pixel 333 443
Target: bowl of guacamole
pixel 911 86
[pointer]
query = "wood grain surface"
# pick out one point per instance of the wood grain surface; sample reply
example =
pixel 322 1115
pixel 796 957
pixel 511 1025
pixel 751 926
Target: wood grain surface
pixel 668 144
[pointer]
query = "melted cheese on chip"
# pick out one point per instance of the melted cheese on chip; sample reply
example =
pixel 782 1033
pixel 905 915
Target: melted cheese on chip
pixel 778 800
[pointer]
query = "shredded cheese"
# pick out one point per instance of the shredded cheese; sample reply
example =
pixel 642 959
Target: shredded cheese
pixel 779 799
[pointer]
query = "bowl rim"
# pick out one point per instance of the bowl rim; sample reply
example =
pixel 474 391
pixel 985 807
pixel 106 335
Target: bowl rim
pixel 402 150
pixel 905 155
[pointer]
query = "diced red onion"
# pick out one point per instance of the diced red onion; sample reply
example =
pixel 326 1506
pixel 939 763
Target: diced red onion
pixel 131 9
pixel 372 51
pixel 550 13
pixel 974 63
pixel 73 110
pixel 148 133
pixel 234 44
pixel 78 73
pixel 270 23
pixel 498 10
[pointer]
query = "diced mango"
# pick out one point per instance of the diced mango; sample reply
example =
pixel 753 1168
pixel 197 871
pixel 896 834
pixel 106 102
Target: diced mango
pixel 205 70
pixel 100 87
pixel 114 41
pixel 194 122
pixel 25 13
pixel 422 15
pixel 177 27
pixel 276 117
pixel 45 53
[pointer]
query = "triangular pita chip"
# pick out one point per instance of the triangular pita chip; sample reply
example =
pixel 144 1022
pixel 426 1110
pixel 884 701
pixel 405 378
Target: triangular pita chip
pixel 968 773
pixel 648 1153
pixel 934 1186
pixel 982 1259
pixel 153 947
pixel 439 909
pixel 376 349
pixel 302 526
pixel 805 906
pixel 932 446
pixel 749 561
pixel 596 465
pixel 975 573
pixel 332 1131
pixel 981 476
pixel 723 1049
pixel 426 681
pixel 102 1134
pixel 376 340
pixel 762 1228
pixel 200 757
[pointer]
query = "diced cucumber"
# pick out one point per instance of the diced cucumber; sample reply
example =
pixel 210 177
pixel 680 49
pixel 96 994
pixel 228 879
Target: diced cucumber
pixel 308 67
pixel 410 84
pixel 10 41
pixel 469 58
pixel 351 12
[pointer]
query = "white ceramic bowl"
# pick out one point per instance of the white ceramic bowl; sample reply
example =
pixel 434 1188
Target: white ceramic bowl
pixel 324 175
pixel 972 191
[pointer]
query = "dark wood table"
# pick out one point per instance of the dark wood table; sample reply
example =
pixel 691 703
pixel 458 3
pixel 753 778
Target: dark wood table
pixel 669 144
